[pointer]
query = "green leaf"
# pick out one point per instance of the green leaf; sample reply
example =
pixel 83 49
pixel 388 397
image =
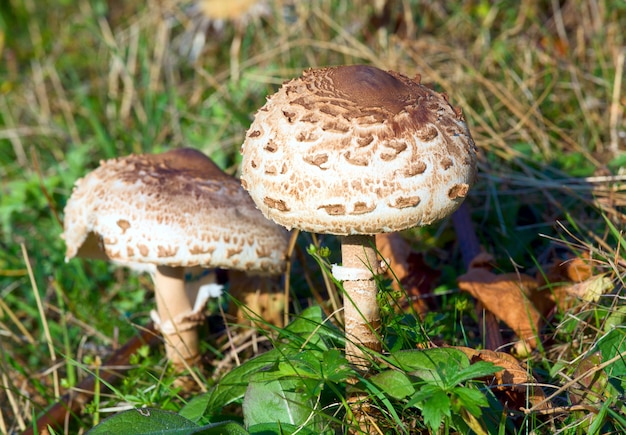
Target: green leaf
pixel 335 367
pixel 280 429
pixel 435 409
pixel 610 345
pixel 233 385
pixel 308 322
pixel 310 329
pixel 616 317
pixel 145 421
pixel 155 421
pixel 394 383
pixel 424 393
pixel 432 365
pixel 479 369
pixel 195 409
pixel 470 399
pixel 285 400
pixel 222 428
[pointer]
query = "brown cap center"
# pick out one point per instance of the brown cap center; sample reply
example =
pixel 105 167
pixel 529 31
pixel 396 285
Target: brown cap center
pixel 368 86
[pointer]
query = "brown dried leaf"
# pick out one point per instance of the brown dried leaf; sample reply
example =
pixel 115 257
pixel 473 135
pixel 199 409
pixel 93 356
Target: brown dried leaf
pixel 590 290
pixel 516 387
pixel 572 270
pixel 393 248
pixel 591 382
pixel 508 297
pixel 522 301
pixel 576 270
pixel 408 270
pixel 483 261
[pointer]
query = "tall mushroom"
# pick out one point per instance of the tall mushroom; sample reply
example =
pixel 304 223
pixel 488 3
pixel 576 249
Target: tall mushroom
pixel 355 151
pixel 168 212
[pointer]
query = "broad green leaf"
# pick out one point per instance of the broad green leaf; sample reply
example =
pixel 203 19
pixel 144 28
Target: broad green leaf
pixel 329 365
pixel 612 344
pixel 470 399
pixel 306 364
pixel 335 367
pixel 477 370
pixel 195 409
pixel 145 421
pixel 307 322
pixel 424 393
pixel 308 361
pixel 435 409
pixel 616 318
pixel 310 330
pixel 432 365
pixel 232 386
pixel 280 400
pixel 222 428
pixel 283 370
pixel 394 383
pixel 280 428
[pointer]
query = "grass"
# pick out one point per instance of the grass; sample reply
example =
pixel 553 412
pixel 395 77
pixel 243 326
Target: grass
pixel 541 86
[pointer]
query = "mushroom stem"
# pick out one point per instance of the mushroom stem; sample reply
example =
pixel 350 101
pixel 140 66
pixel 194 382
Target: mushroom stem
pixel 174 308
pixel 261 301
pixel 361 312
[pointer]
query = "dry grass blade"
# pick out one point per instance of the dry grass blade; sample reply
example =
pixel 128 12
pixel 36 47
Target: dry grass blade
pixel 18 412
pixel 5 309
pixel 617 111
pixel 607 192
pixel 44 323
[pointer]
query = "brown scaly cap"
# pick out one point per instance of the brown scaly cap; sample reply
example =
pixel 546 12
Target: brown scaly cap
pixel 357 150
pixel 177 209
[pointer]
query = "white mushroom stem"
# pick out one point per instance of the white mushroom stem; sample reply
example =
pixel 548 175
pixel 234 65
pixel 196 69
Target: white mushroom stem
pixel 361 313
pixel 178 322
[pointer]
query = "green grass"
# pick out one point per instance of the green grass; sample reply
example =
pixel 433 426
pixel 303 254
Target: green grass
pixel 542 91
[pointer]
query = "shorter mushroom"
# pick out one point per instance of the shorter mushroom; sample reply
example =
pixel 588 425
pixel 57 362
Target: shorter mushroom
pixel 167 212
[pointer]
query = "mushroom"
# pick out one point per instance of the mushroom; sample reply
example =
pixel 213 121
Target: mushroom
pixel 355 151
pixel 208 21
pixel 167 212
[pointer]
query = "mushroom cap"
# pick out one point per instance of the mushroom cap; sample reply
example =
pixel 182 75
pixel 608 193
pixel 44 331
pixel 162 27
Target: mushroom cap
pixel 232 9
pixel 176 209
pixel 357 150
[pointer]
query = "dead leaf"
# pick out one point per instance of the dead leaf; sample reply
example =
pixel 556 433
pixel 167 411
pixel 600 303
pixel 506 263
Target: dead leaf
pixel 508 297
pixel 590 290
pixel 560 280
pixel 576 270
pixel 515 387
pixel 393 248
pixel 408 270
pixel 483 261
pixel 592 382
